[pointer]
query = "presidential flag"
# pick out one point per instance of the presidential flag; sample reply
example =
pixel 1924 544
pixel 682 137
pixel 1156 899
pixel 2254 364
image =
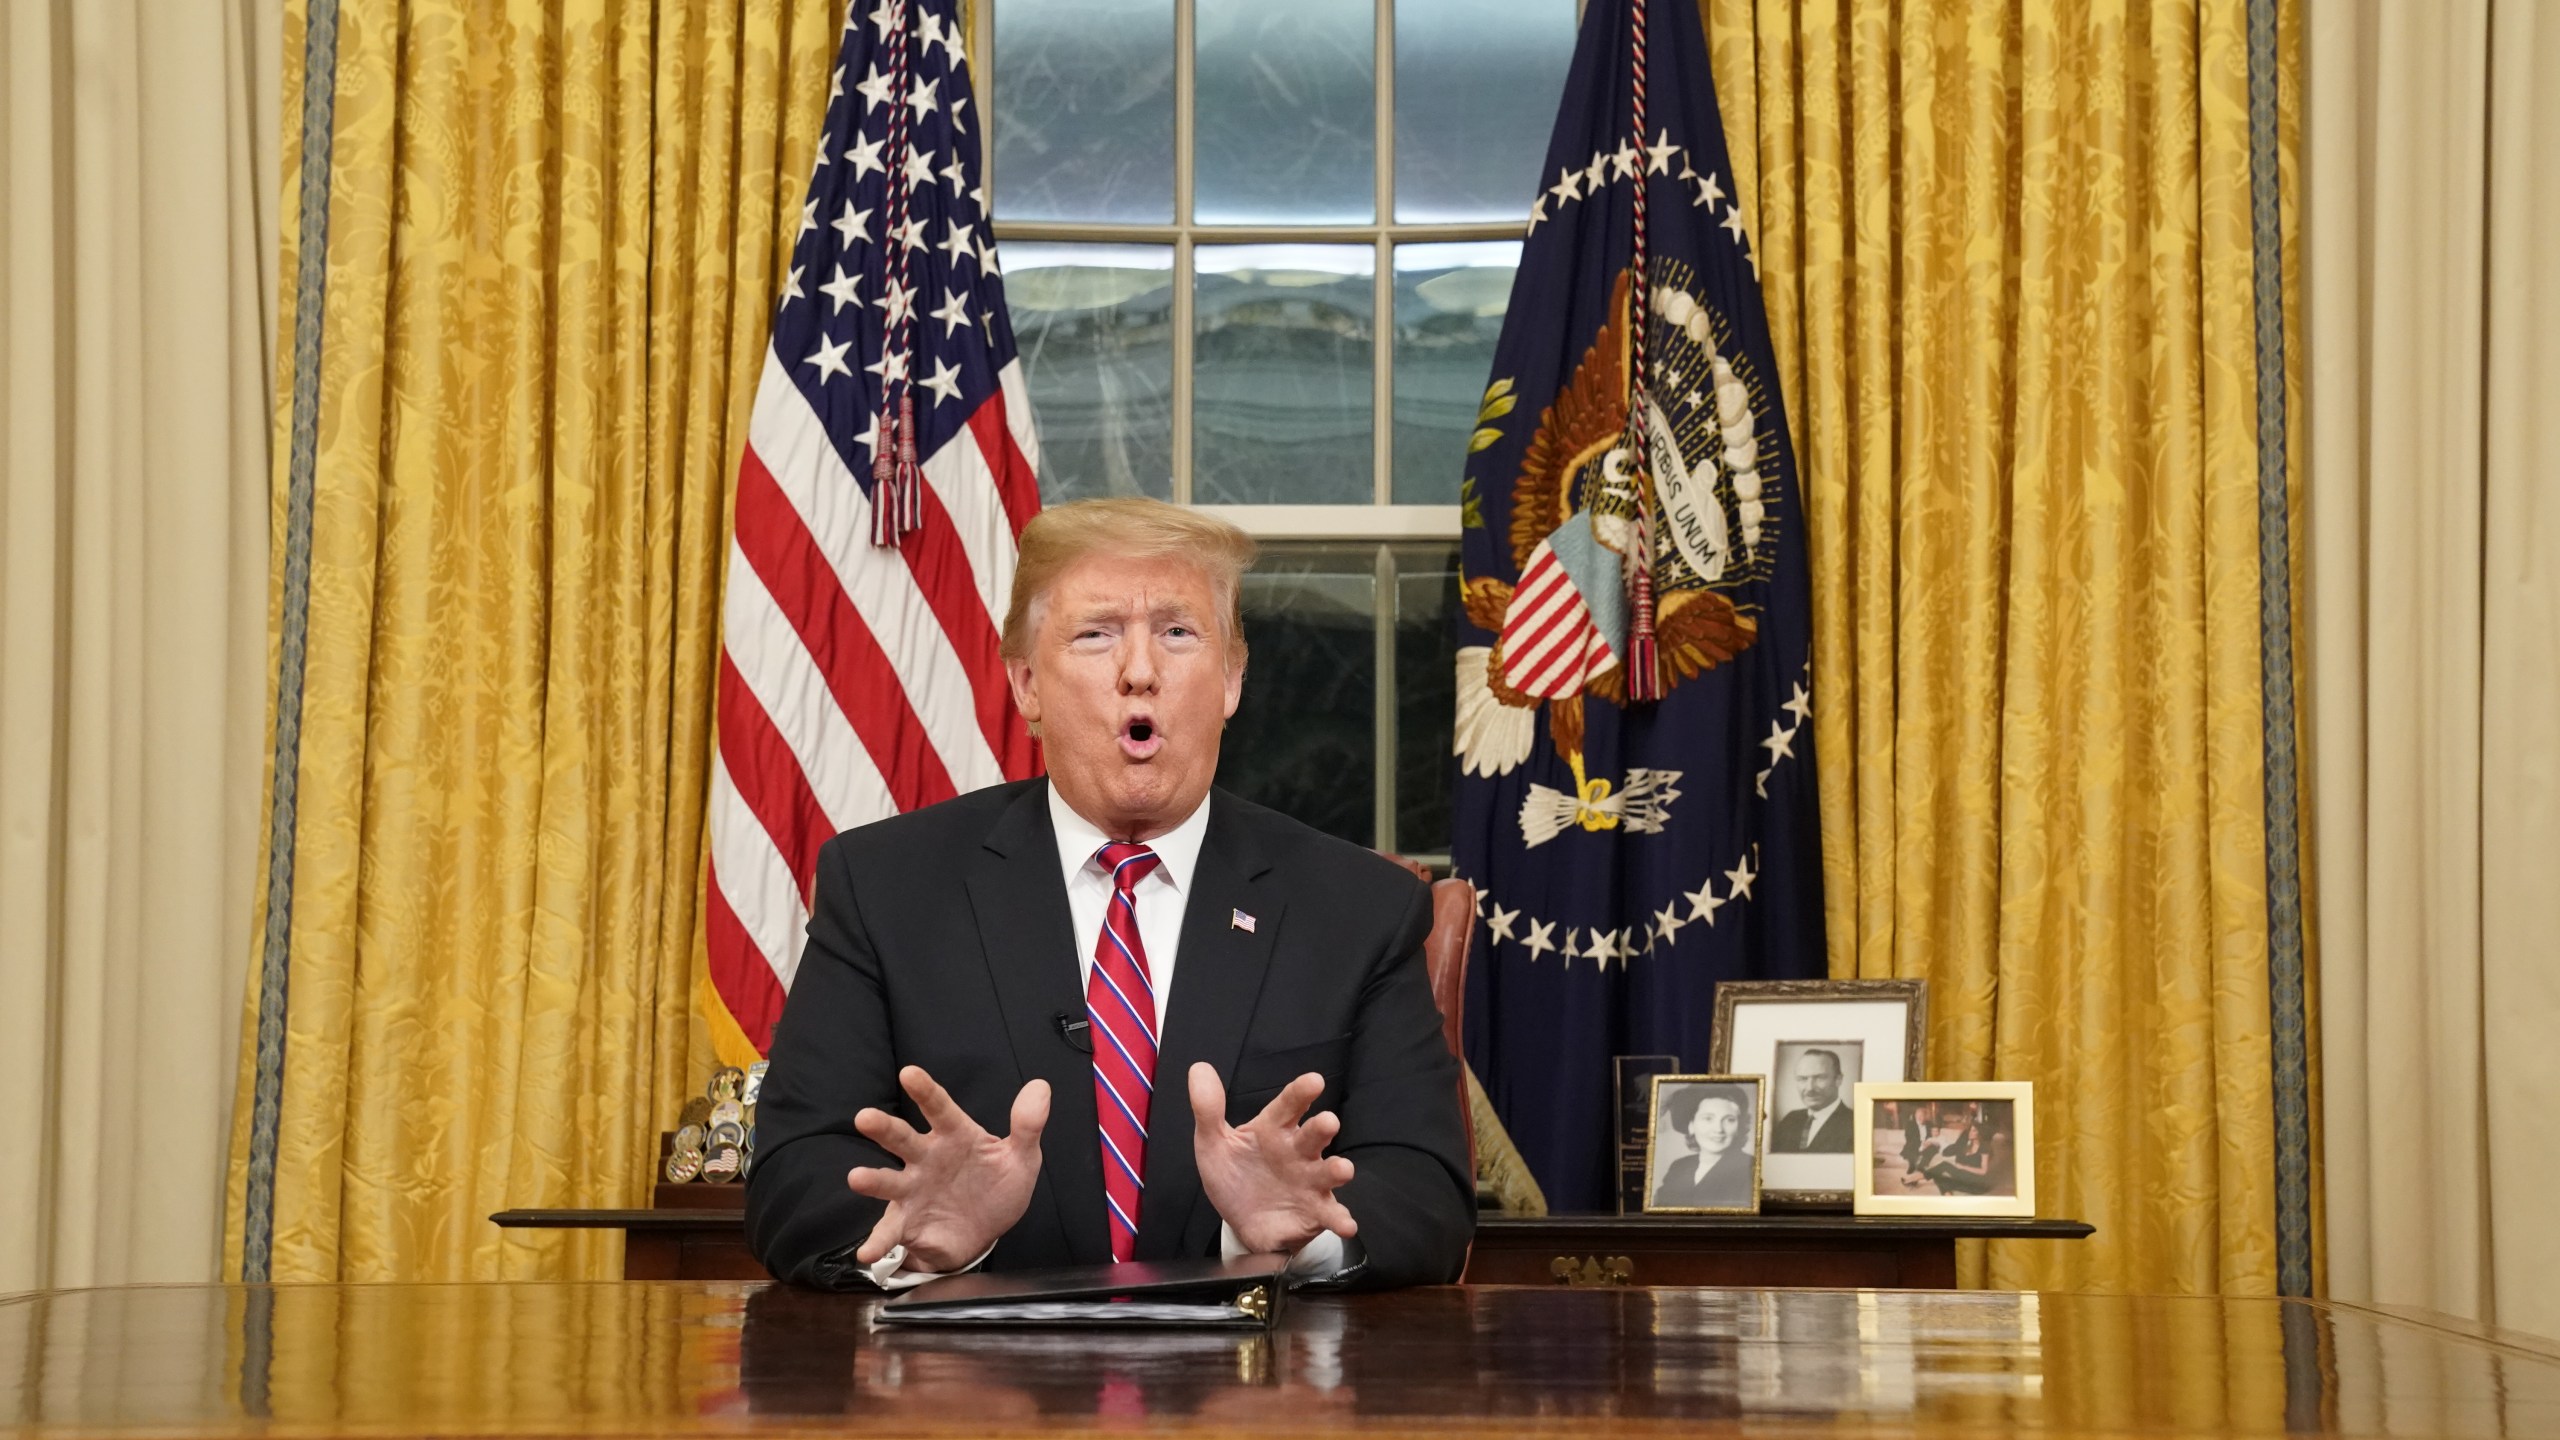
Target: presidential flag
pixel 890 464
pixel 1636 804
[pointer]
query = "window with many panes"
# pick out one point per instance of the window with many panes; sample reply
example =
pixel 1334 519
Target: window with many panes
pixel 1257 254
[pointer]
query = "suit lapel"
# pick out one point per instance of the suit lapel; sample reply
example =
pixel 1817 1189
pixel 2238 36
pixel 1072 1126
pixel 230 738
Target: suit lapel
pixel 1029 943
pixel 1217 982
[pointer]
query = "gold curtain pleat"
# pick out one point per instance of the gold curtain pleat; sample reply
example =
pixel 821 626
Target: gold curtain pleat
pixel 2006 252
pixel 552 242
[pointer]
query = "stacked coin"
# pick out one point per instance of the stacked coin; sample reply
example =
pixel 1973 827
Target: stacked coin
pixel 716 1128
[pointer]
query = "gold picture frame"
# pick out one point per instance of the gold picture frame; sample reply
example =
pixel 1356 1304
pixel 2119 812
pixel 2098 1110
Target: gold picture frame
pixel 1984 1132
pixel 1877 1029
pixel 1660 1176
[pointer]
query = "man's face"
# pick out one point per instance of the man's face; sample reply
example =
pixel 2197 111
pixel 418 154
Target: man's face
pixel 1817 1080
pixel 1128 680
pixel 1714 1125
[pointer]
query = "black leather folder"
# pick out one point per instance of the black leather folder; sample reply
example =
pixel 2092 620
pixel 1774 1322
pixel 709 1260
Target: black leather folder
pixel 1240 1294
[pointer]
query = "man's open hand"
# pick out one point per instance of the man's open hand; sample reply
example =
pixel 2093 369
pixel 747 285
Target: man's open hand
pixel 1270 1178
pixel 962 1188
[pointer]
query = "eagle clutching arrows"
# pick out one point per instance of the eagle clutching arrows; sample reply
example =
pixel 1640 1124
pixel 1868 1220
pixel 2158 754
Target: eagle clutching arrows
pixel 1563 628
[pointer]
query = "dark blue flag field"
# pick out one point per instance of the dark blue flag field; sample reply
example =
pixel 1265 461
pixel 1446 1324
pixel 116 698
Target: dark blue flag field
pixel 1636 803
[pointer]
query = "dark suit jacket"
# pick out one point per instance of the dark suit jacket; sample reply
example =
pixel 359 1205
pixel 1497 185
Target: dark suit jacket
pixel 941 938
pixel 1834 1138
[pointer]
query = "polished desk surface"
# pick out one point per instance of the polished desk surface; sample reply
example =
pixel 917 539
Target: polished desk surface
pixel 720 1359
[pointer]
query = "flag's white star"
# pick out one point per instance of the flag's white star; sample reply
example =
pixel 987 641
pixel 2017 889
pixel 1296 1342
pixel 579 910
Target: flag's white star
pixel 1703 901
pixel 954 311
pixel 876 90
pixel 888 17
pixel 1760 784
pixel 1667 923
pixel 1622 161
pixel 898 303
pixel 844 290
pixel 928 34
pixel 987 255
pixel 1499 924
pixel 1572 946
pixel 1596 175
pixel 791 288
pixel 835 86
pixel 1537 212
pixel 910 233
pixel 808 215
pixel 865 156
pixel 1801 704
pixel 944 382
pixel 1710 193
pixel 890 367
pixel 956 175
pixel 1695 399
pixel 918 167
pixel 1603 947
pixel 979 195
pixel 959 107
pixel 829 358
pixel 1540 939
pixel 854 225
pixel 1781 743
pixel 1568 187
pixel 1661 150
pixel 1732 222
pixel 923 98
pixel 869 439
pixel 1741 877
pixel 957 243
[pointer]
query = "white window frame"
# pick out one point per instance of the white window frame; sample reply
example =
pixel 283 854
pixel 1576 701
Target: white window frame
pixel 1381 522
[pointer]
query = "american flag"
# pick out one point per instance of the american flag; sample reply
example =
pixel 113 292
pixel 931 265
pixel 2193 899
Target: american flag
pixel 890 464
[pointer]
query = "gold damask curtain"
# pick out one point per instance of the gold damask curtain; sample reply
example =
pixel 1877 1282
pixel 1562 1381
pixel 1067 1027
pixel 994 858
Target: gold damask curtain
pixel 2007 257
pixel 551 237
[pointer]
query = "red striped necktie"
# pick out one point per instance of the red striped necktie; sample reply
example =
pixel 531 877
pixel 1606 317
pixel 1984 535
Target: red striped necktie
pixel 1120 1000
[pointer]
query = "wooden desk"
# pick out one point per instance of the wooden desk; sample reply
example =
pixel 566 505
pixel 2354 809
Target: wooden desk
pixel 701 1240
pixel 722 1361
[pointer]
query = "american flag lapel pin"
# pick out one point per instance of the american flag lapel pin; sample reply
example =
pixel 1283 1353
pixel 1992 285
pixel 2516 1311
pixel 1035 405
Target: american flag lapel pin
pixel 1242 922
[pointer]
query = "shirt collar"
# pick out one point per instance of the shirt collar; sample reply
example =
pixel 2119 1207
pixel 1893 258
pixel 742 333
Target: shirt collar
pixel 1177 850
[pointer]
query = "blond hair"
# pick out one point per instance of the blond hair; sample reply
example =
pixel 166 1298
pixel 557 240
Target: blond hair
pixel 1128 528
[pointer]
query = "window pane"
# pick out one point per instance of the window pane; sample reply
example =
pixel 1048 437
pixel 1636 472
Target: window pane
pixel 1084 110
pixel 1476 92
pixel 1426 695
pixel 1449 304
pixel 1304 741
pixel 1287 113
pixel 1095 326
pixel 1281 373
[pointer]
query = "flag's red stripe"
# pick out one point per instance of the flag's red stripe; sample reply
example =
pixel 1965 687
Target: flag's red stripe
pixel 739 971
pixel 941 569
pixel 859 673
pixel 769 778
pixel 1015 483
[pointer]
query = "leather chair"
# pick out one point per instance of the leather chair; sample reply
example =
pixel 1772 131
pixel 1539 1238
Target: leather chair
pixel 1444 959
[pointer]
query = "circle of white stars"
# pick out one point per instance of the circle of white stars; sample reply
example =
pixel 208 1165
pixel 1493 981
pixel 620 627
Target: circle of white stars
pixel 1630 160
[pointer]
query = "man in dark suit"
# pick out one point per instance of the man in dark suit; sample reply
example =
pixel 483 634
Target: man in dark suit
pixel 1820 1125
pixel 1086 1018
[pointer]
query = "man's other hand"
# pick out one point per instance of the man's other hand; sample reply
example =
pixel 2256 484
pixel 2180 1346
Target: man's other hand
pixel 1270 1178
pixel 961 1189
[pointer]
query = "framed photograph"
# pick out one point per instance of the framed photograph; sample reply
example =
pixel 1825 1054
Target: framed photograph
pixel 1949 1148
pixel 1702 1155
pixel 1815 1040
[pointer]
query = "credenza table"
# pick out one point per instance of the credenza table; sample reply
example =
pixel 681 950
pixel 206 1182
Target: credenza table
pixel 697 1233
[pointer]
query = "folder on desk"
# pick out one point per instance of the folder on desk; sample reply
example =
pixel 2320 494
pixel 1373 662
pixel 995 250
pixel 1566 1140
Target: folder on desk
pixel 1239 1294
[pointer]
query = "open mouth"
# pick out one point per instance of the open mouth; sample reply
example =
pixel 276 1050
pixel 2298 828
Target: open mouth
pixel 1138 738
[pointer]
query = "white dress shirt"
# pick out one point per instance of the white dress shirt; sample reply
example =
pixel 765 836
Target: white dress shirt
pixel 1160 899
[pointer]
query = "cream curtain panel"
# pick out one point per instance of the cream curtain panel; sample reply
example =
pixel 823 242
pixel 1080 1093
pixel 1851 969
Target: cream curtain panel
pixel 137 244
pixel 2433 273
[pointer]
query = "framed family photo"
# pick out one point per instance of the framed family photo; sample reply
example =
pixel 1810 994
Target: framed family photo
pixel 1703 1154
pixel 1951 1148
pixel 1815 1040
